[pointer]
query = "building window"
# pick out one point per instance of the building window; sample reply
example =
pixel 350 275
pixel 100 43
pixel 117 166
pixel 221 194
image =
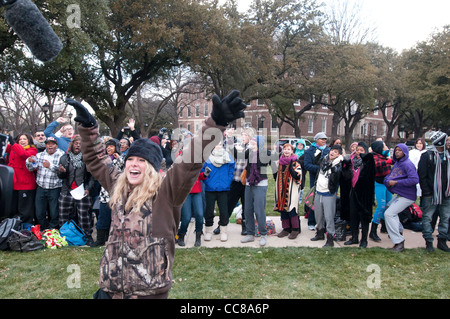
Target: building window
pixel 180 112
pixel 206 109
pixel 310 124
pixel 197 110
pixel 189 127
pixel 324 125
pixel 188 111
pixel 274 124
pixel 260 102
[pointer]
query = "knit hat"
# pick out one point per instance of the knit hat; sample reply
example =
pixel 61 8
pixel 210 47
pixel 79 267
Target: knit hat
pixel 438 139
pixel 148 150
pixel 337 147
pixel 260 140
pixel 364 145
pixel 377 147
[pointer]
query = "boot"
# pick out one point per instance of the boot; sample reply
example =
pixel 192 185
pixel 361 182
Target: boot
pixel 217 230
pixel 244 228
pixel 294 233
pixel 399 247
pixel 320 235
pixel 373 233
pixel 181 240
pixel 283 233
pixel 383 229
pixel 364 233
pixel 198 239
pixel 353 240
pixel 102 237
pixel 429 246
pixel 208 233
pixel 224 233
pixel 442 245
pixel 330 240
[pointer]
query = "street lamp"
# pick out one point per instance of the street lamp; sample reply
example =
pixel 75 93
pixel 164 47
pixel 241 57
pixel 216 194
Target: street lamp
pixel 70 117
pixel 262 118
pixel 45 109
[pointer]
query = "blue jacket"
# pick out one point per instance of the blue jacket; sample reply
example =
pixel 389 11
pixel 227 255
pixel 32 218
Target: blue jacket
pixel 63 142
pixel 220 178
pixel 404 172
pixel 312 163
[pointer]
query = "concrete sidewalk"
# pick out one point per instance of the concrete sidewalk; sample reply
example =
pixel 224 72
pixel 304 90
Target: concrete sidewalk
pixel 412 239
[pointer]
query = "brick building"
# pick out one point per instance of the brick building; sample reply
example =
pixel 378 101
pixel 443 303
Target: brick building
pixel 196 107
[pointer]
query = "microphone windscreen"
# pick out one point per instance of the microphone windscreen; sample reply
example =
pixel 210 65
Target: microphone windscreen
pixel 32 28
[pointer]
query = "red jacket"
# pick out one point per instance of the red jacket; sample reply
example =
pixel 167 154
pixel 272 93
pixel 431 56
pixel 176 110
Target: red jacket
pixel 197 188
pixel 23 178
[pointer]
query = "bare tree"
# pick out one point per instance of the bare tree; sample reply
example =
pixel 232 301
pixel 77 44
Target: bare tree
pixel 346 24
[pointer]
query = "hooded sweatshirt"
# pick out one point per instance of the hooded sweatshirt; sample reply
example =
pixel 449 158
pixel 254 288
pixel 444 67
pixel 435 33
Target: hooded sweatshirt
pixel 404 172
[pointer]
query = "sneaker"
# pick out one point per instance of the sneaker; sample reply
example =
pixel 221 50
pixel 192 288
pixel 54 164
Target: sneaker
pixel 263 240
pixel 311 227
pixel 248 238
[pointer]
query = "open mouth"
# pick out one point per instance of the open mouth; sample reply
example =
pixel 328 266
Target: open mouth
pixel 135 173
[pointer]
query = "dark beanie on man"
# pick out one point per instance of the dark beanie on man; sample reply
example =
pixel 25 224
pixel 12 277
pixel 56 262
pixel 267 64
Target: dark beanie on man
pixel 148 150
pixel 377 147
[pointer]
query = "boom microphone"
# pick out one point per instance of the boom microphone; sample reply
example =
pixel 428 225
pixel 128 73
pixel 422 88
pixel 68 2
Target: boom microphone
pixel 30 25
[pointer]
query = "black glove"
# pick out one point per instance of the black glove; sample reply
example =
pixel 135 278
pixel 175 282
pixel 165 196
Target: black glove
pixel 83 116
pixel 229 109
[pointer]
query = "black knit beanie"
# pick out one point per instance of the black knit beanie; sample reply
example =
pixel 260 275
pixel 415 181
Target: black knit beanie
pixel 148 150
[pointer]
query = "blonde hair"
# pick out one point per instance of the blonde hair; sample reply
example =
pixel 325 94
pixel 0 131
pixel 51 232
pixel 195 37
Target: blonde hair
pixel 137 196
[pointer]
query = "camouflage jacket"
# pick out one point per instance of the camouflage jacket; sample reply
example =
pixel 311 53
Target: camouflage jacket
pixel 140 251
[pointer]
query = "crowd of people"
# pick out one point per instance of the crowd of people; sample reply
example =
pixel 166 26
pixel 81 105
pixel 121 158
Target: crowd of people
pixel 49 166
pixel 144 191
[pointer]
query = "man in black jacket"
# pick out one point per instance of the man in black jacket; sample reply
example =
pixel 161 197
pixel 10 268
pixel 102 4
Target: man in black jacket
pixel 73 172
pixel 434 175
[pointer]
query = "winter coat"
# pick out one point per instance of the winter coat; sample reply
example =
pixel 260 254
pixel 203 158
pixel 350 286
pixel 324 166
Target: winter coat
pixel 23 179
pixel 313 155
pixel 220 178
pixel 329 175
pixel 79 176
pixel 287 187
pixel 364 190
pixel 63 142
pixel 404 172
pixel 140 251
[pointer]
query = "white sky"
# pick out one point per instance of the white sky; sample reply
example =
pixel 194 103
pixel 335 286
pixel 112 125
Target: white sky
pixel 400 23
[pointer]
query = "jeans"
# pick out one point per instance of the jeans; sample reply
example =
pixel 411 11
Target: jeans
pixel 383 196
pixel 396 206
pixel 428 210
pixel 325 210
pixel 192 207
pixel 50 197
pixel 104 217
pixel 255 204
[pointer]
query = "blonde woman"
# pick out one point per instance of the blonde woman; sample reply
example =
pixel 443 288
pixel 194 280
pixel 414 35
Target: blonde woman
pixel 139 254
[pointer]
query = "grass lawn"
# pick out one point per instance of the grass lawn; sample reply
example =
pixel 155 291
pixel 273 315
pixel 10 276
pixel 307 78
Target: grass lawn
pixel 235 273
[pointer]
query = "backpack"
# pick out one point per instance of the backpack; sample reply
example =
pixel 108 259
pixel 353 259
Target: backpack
pixel 6 227
pixel 411 214
pixel 75 236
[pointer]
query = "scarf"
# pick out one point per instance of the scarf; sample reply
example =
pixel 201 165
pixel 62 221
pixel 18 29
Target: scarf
pixel 219 157
pixel 77 160
pixel 286 160
pixel 356 167
pixel 254 177
pixel 438 177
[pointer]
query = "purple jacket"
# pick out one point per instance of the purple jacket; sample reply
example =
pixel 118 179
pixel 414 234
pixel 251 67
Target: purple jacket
pixel 404 172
